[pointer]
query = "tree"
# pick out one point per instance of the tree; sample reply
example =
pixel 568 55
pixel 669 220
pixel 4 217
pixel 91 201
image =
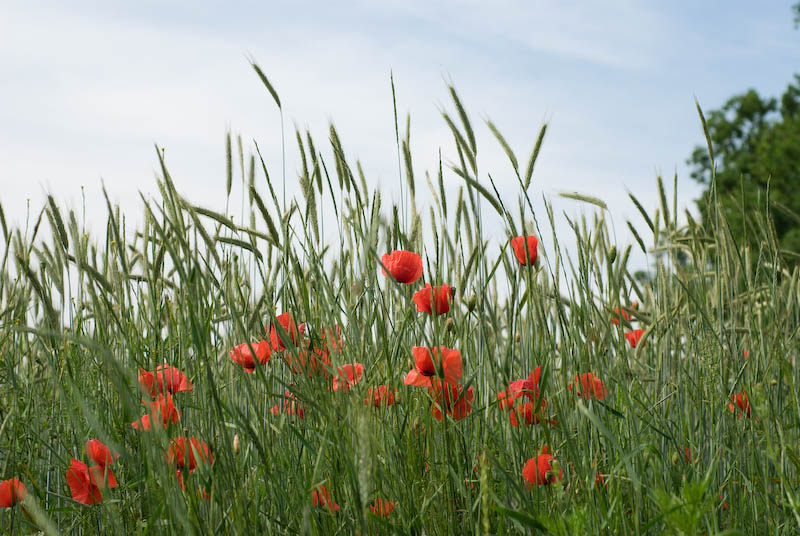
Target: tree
pixel 756 144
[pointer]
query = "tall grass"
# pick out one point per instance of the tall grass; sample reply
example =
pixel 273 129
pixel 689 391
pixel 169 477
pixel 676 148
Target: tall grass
pixel 81 312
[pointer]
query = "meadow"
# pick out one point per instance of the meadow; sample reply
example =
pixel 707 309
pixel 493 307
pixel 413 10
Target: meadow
pixel 218 372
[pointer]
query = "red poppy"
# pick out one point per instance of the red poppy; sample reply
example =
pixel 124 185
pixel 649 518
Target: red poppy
pixel 332 339
pixel 456 402
pixel 539 470
pixel 405 266
pixel 687 455
pixel 742 402
pixel 722 500
pixel 528 387
pixel 527 415
pixel 525 249
pixel 198 453
pixel 381 396
pixel 322 497
pixel 287 323
pixel 309 361
pixel 162 409
pixel 85 482
pixel 242 355
pixel 590 386
pixel 620 312
pixel 600 480
pixel 12 491
pixel 634 337
pixel 434 300
pixel 444 362
pixel 382 507
pixel 746 353
pixel 166 378
pixel 290 406
pixel 347 376
pixel 99 453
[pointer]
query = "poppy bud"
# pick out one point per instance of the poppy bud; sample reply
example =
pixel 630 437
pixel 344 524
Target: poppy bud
pixel 517 337
pixel 236 444
pixel 675 458
pixel 774 382
pixel 612 254
pixel 472 302
pixel 450 325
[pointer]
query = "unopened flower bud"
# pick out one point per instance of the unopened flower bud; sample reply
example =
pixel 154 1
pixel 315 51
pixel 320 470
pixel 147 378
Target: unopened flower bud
pixel 472 302
pixel 236 445
pixel 612 254
pixel 450 325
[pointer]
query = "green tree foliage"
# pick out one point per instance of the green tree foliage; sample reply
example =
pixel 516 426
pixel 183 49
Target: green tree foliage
pixel 756 144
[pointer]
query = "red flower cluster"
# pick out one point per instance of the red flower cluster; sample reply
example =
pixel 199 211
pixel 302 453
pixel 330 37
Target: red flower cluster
pixel 620 312
pixel 380 396
pixel 382 507
pixel 243 355
pixel 525 249
pixel 742 403
pixel 527 412
pixel 434 300
pixel 166 379
pixel 347 376
pixel 86 482
pixel 589 386
pixel 12 491
pixel 322 497
pixel 456 402
pixel 163 410
pixel 290 406
pixel 404 266
pixel 634 337
pixel 539 471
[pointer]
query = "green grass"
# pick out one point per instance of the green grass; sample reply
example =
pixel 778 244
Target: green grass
pixel 80 313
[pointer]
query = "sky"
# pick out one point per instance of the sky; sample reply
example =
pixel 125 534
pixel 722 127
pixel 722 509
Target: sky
pixel 88 88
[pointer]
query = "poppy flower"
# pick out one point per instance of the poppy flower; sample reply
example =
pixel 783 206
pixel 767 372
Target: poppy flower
pixel 444 362
pixel 722 500
pixel 162 410
pixel 12 491
pixel 528 387
pixel 620 312
pixel 590 386
pixel 290 406
pixel 381 396
pixel 527 415
pixel 203 493
pixel 85 482
pixel 634 337
pixel 405 266
pixel 525 249
pixel 434 300
pixel 382 507
pixel 456 402
pixel 309 361
pixel 746 353
pixel 742 402
pixel 322 497
pixel 600 480
pixel 332 339
pixel 166 378
pixel 198 452
pixel 99 453
pixel 287 323
pixel 347 376
pixel 539 470
pixel 242 355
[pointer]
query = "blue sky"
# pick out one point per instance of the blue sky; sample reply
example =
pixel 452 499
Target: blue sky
pixel 86 88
